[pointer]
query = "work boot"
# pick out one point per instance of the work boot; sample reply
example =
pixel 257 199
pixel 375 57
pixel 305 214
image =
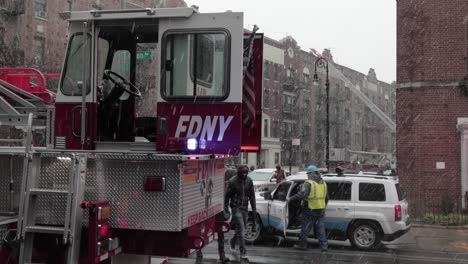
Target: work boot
pixel 223 259
pixel 232 244
pixel 301 245
pixel 243 253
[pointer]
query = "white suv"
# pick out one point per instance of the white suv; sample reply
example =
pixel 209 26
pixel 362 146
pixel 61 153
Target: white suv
pixel 364 208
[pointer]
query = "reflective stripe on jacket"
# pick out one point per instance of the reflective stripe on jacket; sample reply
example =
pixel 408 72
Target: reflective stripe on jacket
pixel 317 195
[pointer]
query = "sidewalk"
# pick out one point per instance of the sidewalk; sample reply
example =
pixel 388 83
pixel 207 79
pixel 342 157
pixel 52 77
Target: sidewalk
pixel 426 238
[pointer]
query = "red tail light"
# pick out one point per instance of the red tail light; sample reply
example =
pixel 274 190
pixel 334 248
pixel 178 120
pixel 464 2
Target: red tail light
pixel 397 213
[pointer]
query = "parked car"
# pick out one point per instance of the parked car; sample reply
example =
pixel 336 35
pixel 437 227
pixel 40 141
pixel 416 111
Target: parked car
pixel 263 179
pixel 366 209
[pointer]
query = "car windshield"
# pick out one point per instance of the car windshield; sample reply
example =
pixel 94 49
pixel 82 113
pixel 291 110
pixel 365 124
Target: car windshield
pixel 260 175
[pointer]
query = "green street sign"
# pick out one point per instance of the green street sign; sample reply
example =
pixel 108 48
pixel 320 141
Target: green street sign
pixel 144 55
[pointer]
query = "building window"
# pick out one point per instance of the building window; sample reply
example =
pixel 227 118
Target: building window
pixel 288 103
pixel 347 138
pixel 358 118
pixel 41 8
pixel 347 116
pixel 348 93
pixel 2 34
pixel 277 158
pixel 39 51
pixel 265 127
pixel 246 157
pixel 357 139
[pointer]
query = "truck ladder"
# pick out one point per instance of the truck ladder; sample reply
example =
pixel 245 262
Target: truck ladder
pixel 71 230
pixel 374 108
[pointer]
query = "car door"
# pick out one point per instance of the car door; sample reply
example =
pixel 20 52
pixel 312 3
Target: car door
pixel 340 208
pixel 277 207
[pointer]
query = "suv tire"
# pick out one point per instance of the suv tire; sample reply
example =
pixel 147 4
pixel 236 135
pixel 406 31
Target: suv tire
pixel 365 235
pixel 249 236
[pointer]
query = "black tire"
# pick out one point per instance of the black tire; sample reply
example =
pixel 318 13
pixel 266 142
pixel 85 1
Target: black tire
pixel 253 237
pixel 365 235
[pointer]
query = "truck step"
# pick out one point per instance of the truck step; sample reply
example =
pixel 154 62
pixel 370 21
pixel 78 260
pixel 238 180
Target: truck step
pixel 36 191
pixel 45 229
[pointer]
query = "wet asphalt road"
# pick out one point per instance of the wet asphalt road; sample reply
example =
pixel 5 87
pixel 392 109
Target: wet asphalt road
pixel 420 245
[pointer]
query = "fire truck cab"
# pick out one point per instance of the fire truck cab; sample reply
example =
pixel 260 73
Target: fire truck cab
pixel 163 76
pixel 150 104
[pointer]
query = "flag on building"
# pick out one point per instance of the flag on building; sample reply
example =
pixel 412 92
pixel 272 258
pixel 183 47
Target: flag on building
pixel 316 53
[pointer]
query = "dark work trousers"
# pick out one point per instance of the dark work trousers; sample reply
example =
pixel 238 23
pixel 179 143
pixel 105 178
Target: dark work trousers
pixel 222 254
pixel 239 219
pixel 309 220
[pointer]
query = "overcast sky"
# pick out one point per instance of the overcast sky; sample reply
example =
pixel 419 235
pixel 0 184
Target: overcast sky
pixel 360 33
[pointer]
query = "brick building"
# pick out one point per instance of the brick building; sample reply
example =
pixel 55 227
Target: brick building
pixel 432 102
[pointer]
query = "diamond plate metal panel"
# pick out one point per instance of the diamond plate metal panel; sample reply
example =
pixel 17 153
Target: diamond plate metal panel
pixel 10 166
pixel 3 231
pixel 119 179
pixel 121 183
pixel 55 174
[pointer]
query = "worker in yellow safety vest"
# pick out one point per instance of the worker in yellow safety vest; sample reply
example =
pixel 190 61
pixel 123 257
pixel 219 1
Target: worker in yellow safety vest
pixel 314 196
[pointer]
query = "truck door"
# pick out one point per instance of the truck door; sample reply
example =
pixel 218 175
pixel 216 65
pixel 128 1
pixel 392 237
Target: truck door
pixel 73 129
pixel 200 107
pixel 252 92
pixel 278 208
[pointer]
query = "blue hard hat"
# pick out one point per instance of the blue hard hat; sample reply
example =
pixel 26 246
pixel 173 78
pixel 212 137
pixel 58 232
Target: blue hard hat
pixel 311 169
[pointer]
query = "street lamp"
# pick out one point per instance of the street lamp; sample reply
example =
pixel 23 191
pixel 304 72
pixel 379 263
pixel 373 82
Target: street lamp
pixel 323 63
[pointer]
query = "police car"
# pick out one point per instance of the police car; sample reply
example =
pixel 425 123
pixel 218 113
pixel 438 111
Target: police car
pixel 364 208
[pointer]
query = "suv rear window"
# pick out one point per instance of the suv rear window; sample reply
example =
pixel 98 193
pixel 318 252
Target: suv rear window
pixel 400 194
pixel 339 191
pixel 373 192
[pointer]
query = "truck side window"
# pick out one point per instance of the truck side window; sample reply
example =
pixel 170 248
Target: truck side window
pixel 282 191
pixel 195 65
pixel 75 64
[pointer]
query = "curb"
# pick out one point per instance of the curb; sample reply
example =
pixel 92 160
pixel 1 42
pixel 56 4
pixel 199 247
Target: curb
pixel 440 226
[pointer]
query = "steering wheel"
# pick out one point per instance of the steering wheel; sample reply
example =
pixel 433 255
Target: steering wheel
pixel 133 90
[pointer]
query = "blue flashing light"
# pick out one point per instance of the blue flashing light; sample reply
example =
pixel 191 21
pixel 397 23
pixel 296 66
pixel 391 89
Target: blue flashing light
pixel 191 144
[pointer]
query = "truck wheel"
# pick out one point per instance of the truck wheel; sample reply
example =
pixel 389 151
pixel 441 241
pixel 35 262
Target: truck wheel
pixel 365 235
pixel 253 237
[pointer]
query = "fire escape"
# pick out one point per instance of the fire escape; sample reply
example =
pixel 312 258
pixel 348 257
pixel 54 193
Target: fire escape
pixel 296 110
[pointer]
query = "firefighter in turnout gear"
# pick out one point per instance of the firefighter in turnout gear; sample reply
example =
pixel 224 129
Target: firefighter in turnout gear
pixel 314 196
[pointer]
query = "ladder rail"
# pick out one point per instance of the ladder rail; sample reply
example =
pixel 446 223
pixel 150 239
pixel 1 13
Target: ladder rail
pixel 373 107
pixel 76 211
pixel 24 177
pixel 69 198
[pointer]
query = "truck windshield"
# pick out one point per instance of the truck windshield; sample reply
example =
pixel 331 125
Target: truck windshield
pixel 78 60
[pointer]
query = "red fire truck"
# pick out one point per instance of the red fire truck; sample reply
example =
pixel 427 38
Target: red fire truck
pixel 150 104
